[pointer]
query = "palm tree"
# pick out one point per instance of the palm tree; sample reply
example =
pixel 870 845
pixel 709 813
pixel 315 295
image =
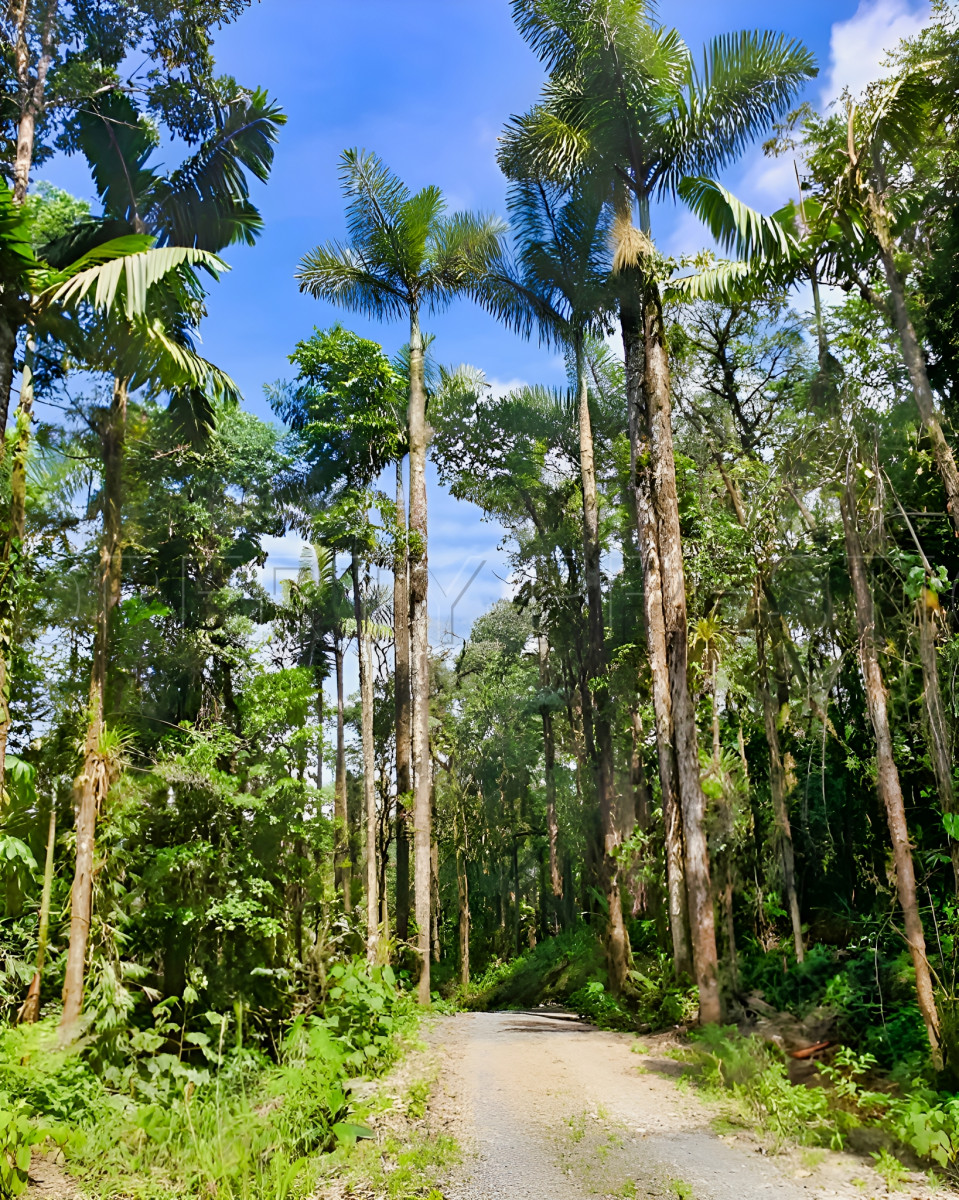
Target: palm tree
pixel 140 350
pixel 626 101
pixel 118 276
pixel 560 285
pixel 406 255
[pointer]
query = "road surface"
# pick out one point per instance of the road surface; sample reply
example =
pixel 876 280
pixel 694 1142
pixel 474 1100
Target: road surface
pixel 547 1107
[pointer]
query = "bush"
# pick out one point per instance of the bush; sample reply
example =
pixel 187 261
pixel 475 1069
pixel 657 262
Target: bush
pixel 755 1073
pixel 363 1010
pixel 234 1125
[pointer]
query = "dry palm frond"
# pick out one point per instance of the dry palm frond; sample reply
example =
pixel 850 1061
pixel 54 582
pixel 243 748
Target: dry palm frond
pixel 631 247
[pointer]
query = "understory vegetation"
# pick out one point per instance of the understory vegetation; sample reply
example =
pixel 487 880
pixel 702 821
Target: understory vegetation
pixel 695 769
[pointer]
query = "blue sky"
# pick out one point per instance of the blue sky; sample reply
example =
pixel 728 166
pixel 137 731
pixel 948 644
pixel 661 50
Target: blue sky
pixel 428 84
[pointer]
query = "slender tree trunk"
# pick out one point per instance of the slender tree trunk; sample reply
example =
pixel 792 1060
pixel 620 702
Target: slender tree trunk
pixel 369 759
pixel 617 939
pixel 656 640
pixel 549 764
pixel 940 740
pixel 8 351
pixel 514 864
pixel 31 1008
pixel 401 684
pixel 92 785
pixel 887 774
pixel 341 816
pixel 463 905
pixel 11 555
pixel 420 656
pixel 702 919
pixel 915 360
pixel 777 784
pixel 319 740
pixel 32 86
pixel 777 774
pixel 435 948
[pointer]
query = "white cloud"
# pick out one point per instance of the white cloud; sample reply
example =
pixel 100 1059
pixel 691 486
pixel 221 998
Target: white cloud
pixel 502 387
pixel 770 182
pixel 858 46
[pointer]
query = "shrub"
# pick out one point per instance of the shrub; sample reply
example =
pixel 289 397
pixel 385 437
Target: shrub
pixel 363 1011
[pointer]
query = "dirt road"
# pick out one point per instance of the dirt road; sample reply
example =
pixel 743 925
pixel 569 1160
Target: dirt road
pixel 549 1108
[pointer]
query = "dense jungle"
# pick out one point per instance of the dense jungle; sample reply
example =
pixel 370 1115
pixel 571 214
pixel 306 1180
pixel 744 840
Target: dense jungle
pixel 274 860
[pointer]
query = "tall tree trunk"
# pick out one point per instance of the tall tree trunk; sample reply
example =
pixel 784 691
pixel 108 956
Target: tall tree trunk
pixel 8 352
pixel 549 766
pixel 463 905
pixel 617 939
pixel 402 698
pixel 702 921
pixel 341 816
pixel 31 85
pixel 639 817
pixel 11 555
pixel 319 740
pixel 940 740
pixel 887 774
pixel 435 948
pixel 369 759
pixel 99 763
pixel 31 1008
pixel 777 783
pixel 648 538
pixel 420 656
pixel 914 359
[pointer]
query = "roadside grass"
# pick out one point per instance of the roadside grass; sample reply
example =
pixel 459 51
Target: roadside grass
pixel 750 1077
pixel 241 1126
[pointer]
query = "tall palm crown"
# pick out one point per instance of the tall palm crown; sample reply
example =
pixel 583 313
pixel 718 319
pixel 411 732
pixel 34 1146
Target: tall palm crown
pixel 558 281
pixel 205 202
pixel 625 97
pixel 405 253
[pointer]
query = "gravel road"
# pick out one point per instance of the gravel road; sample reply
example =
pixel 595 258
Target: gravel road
pixel 549 1108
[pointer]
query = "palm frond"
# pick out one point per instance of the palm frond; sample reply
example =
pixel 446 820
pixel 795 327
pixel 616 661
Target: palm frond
pixel 132 274
pixel 722 282
pixel 897 111
pixel 117 141
pixel 746 81
pixel 542 145
pixel 737 227
pixel 341 275
pixel 374 196
pixel 206 201
pixel 462 248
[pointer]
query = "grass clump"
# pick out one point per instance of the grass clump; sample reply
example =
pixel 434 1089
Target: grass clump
pixel 404 1168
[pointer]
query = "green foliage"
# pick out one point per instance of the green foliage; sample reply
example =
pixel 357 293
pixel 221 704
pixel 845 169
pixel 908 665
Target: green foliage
pixel 18 1136
pixel 363 1011
pixel 868 989
pixel 240 1125
pixel 596 1004
pixel 345 412
pixel 755 1073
